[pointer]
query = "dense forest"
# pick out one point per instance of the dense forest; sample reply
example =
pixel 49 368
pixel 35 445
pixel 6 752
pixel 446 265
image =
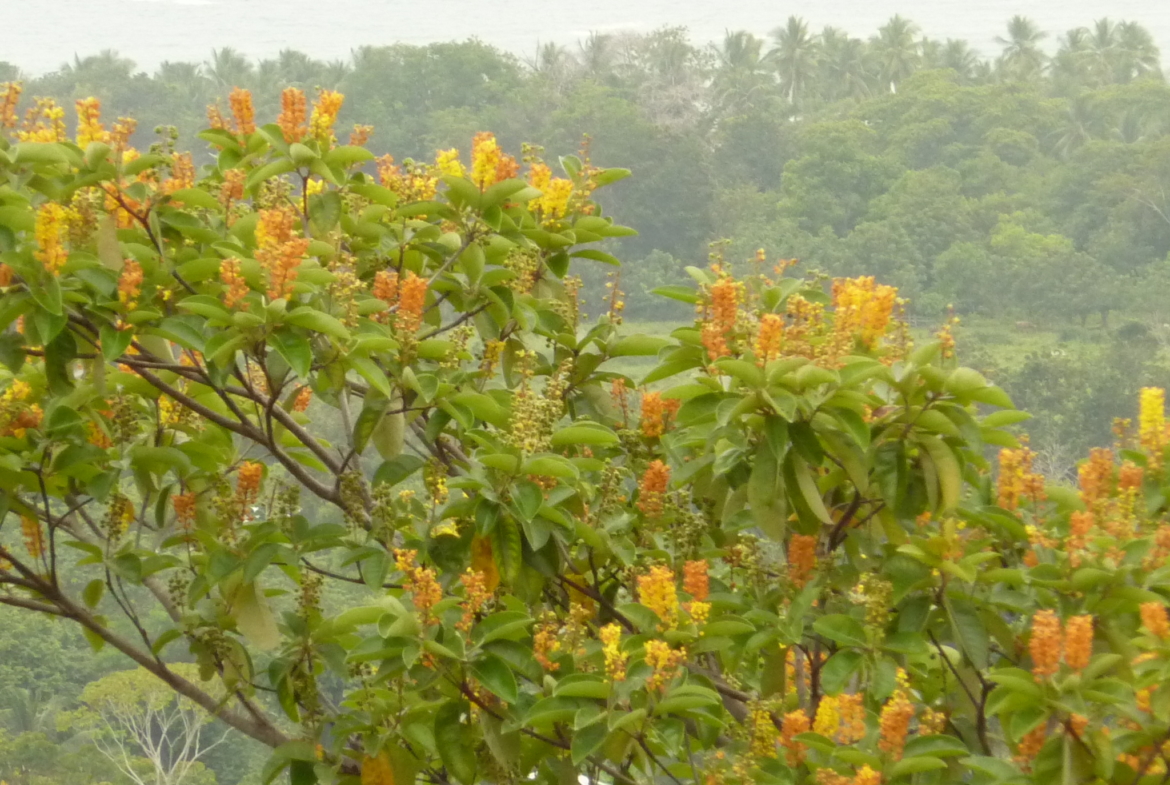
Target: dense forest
pixel 1026 193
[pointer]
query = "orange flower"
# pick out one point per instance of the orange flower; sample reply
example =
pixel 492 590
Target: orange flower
pixel 412 298
pixel 232 188
pixel 867 776
pixel 657 592
pixel 237 287
pixel 130 284
pixel 243 114
pixel 184 508
pixel 325 110
pixel 1094 475
pixel 121 132
pixel 769 338
pixel 1078 642
pixel 182 174
pixel 248 483
pixel 490 164
pixel 546 642
pixel 657 413
pixel 1045 644
pixel 852 710
pixel 894 724
pixel 476 596
pixel 301 402
pixel 802 558
pixel 1154 619
pixel 652 489
pixel 695 580
pixel 215 118
pixel 282 267
pixel 1129 476
pixel 292 115
pixel 421 582
pixel 794 724
pixel 1030 745
pixel 360 135
pixel 1016 479
pixel 89 122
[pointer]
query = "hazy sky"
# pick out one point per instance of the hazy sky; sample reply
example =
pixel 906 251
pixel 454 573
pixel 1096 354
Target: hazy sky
pixel 42 34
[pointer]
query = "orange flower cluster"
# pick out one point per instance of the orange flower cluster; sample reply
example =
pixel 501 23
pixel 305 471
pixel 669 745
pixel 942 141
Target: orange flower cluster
pixel 657 592
pixel 17 412
pixel 421 582
pixel 802 558
pixel 862 309
pixel 279 251
pixel 657 413
pixel 121 132
pixel 1152 424
pixel 304 397
pixel 476 595
pixel 89 122
pixel 894 724
pixel 233 279
pixel 1080 524
pixel 1030 746
pixel 130 284
pixel 34 537
pixel 243 113
pixel 665 661
pixel 324 117
pixel 794 724
pixel 414 183
pixel 360 135
pixel 852 710
pixel 1129 476
pixel 292 115
pixel 9 98
pixel 412 299
pixel 248 483
pixel 721 313
pixel 182 174
pixel 215 118
pixel 1078 642
pixel 1155 620
pixel 184 504
pixel 1046 644
pixel 769 339
pixel 696 581
pixel 51 230
pixel 1095 476
pixel 489 163
pixel 652 489
pixel 555 192
pixel 1016 480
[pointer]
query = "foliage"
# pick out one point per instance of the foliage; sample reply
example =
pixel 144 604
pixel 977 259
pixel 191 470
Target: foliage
pixel 779 556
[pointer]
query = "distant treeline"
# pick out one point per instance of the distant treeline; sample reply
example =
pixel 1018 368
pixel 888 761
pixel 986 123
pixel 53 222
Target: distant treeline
pixel 900 156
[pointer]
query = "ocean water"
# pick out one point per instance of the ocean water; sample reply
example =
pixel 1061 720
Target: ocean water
pixel 40 35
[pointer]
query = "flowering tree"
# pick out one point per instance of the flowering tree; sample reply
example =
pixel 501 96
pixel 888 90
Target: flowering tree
pixel 778 556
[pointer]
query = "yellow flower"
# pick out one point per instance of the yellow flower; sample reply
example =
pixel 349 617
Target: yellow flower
pixel 665 661
pixel 615 660
pixel 89 122
pixel 828 718
pixel 51 230
pixel 657 592
pixel 325 110
pixel 1152 423
pixel 448 163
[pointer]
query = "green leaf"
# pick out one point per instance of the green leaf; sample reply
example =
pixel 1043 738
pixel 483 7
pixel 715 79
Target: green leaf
pixel 495 674
pixel 590 434
pixel 835 673
pixel 908 766
pixel 312 319
pixel 193 197
pixel 637 346
pixel 842 629
pixel 969 630
pixel 588 740
pixel 295 350
pixel 939 746
pixel 114 342
pixel 506 548
pixel 453 740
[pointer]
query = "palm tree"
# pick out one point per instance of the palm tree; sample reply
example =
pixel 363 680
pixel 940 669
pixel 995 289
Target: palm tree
pixel 741 71
pixel 1072 67
pixel 843 68
pixel 228 68
pixel 185 81
pixel 895 50
pixel 596 56
pixel 1082 124
pixel 297 69
pixel 1138 55
pixel 795 52
pixel 958 56
pixel 1022 58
